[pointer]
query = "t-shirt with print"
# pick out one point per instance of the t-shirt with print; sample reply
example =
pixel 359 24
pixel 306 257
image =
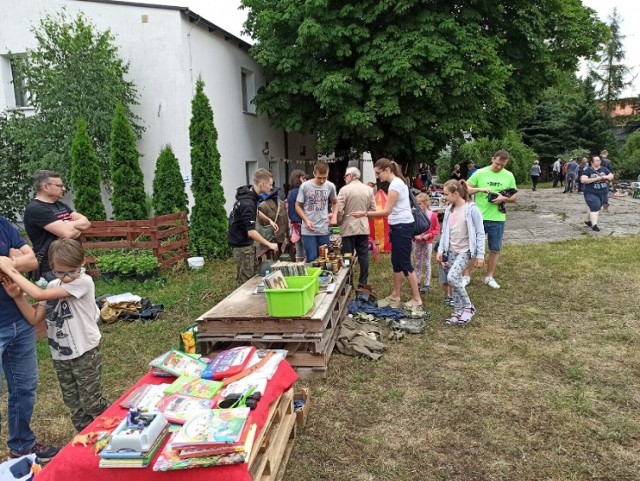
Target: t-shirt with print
pixel 37 216
pixel 458 230
pixel 496 181
pixel 401 212
pixel 72 322
pixel 9 239
pixel 597 188
pixel 315 200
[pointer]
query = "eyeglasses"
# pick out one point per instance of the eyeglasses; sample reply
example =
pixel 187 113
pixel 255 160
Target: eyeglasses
pixel 61 186
pixel 72 273
pixel 346 175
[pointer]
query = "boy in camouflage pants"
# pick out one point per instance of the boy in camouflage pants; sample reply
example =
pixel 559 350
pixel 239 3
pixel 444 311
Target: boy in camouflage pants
pixel 71 315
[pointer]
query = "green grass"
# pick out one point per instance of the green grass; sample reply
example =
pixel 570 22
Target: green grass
pixel 543 385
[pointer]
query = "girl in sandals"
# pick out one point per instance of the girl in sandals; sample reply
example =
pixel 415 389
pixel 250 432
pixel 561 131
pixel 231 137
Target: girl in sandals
pixel 462 239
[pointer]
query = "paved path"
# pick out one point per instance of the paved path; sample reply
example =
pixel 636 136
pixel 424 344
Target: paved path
pixel 549 215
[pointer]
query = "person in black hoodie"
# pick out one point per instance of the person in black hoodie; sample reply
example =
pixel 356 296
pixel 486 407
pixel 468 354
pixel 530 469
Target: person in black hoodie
pixel 242 225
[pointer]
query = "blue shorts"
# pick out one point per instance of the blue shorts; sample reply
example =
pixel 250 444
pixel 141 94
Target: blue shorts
pixel 596 201
pixel 400 236
pixel 495 232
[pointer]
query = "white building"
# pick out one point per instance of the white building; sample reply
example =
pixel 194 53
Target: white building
pixel 168 48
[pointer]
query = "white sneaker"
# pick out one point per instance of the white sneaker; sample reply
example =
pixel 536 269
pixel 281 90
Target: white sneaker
pixel 466 280
pixel 491 282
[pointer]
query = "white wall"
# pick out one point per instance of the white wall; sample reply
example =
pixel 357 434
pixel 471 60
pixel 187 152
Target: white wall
pixel 167 53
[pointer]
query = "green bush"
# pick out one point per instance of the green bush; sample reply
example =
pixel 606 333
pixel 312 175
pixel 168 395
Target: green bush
pixel 628 166
pixel 127 263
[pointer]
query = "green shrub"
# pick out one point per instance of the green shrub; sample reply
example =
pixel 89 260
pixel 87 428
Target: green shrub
pixel 127 263
pixel 628 166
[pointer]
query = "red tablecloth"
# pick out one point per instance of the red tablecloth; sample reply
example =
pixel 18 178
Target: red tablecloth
pixel 76 463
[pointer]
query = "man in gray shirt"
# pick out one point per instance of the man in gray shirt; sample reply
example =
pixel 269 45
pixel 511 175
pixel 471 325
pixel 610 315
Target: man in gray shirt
pixel 572 175
pixel 312 205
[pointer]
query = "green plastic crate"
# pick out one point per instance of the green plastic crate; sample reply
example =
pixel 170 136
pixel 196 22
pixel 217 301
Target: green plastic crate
pixel 295 301
pixel 315 273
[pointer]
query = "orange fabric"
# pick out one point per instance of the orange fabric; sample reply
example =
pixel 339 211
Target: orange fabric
pixel 379 226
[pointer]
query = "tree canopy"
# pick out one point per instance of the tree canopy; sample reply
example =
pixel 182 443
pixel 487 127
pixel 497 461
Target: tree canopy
pixel 402 78
pixel 14 179
pixel 85 175
pixel 168 186
pixel 73 71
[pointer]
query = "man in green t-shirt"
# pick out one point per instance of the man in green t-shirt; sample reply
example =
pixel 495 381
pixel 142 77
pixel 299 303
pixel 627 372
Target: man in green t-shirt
pixel 492 179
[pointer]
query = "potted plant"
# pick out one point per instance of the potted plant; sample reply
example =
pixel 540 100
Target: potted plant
pixel 146 266
pixel 108 265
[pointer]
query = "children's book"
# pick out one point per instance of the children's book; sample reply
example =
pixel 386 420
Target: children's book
pixel 228 363
pixel 169 459
pixel 202 388
pixel 178 408
pixel 179 364
pixel 145 397
pixel 238 447
pixel 130 459
pixel 212 428
pixel 170 389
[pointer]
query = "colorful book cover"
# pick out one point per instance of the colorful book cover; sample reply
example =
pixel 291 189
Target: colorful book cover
pixel 228 363
pixel 212 427
pixel 179 364
pixel 146 397
pixel 225 448
pixel 199 387
pixel 178 408
pixel 175 385
pixel 169 459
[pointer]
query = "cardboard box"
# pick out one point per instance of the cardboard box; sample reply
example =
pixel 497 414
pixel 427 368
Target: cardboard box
pixel 301 415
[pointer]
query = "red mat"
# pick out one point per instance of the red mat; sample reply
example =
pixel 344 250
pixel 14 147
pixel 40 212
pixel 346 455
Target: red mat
pixel 80 463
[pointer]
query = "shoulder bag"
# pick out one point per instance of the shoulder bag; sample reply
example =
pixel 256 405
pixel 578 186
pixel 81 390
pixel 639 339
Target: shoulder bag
pixel 420 217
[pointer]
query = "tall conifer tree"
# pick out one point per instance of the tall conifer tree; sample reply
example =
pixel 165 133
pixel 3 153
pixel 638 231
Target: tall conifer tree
pixel 168 187
pixel 208 233
pixel 128 199
pixel 85 174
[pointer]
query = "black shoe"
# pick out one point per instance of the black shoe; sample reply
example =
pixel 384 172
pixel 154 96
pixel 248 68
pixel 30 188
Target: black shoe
pixel 588 223
pixel 43 453
pixel 595 228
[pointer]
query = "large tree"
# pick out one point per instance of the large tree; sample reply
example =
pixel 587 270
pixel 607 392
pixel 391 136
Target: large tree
pixel 129 200
pixel 85 175
pixel 611 74
pixel 404 77
pixel 73 71
pixel 14 179
pixel 208 227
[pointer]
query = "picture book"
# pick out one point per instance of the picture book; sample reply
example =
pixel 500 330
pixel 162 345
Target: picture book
pixel 175 385
pixel 169 459
pixel 179 364
pixel 228 363
pixel 212 427
pixel 239 447
pixel 201 388
pixel 178 408
pixel 145 397
pixel 244 385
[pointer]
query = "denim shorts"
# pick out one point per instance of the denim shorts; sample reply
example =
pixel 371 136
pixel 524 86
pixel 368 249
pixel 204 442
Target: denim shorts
pixel 401 236
pixel 495 232
pixel 595 202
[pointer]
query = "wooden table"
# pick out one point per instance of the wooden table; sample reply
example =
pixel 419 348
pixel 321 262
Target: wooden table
pixel 242 319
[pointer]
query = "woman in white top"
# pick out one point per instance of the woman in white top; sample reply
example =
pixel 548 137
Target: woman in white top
pixel 401 227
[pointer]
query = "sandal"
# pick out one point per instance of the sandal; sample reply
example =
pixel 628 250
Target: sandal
pixel 454 319
pixel 389 302
pixel 467 314
pixel 414 310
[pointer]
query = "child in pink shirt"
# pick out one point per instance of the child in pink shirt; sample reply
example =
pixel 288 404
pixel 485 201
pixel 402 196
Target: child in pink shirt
pixel 423 243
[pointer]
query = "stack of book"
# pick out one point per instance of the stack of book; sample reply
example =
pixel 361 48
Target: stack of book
pixel 290 269
pixel 209 438
pixel 130 458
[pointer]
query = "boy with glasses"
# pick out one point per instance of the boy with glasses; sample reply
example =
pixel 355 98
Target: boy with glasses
pixel 68 305
pixel 46 218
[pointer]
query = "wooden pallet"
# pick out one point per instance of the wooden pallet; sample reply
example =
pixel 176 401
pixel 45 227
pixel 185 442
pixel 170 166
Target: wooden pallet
pixel 243 312
pixel 275 441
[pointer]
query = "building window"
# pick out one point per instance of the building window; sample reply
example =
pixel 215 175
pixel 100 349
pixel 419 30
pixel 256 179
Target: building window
pixel 248 90
pixel 20 92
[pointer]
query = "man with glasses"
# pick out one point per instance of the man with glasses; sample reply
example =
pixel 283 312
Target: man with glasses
pixel 242 225
pixel 356 196
pixel 46 218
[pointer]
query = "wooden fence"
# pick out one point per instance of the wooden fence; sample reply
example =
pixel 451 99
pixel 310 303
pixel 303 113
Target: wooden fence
pixel 153 234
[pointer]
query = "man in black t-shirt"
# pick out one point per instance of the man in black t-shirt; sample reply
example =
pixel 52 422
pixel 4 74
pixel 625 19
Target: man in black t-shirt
pixel 47 219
